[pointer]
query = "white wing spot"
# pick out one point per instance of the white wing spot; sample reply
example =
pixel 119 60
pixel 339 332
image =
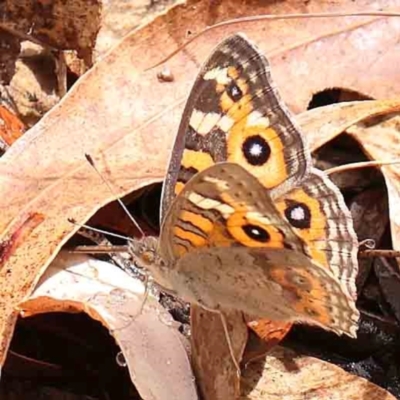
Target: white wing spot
pixel 226 123
pixel 219 74
pixel 297 214
pixel 256 150
pixel 257 119
pixel 211 204
pixel 203 123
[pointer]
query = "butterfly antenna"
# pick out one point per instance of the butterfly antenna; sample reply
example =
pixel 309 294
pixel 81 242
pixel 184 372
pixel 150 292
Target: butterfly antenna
pixel 359 165
pixel 91 228
pixel 91 162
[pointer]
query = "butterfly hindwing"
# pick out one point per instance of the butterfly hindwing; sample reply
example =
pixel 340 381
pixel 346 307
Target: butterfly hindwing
pixel 235 114
pixel 317 213
pixel 278 284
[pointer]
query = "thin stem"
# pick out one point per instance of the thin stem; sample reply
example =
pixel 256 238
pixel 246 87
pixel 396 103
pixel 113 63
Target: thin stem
pixel 359 165
pixel 266 17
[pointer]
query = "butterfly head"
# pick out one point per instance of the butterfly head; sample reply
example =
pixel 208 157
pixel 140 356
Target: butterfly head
pixel 144 251
pixel 146 255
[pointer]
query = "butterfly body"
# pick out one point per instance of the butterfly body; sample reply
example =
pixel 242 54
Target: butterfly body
pixel 247 223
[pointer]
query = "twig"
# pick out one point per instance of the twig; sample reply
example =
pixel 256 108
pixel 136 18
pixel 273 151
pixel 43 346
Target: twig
pixel 379 253
pixel 124 249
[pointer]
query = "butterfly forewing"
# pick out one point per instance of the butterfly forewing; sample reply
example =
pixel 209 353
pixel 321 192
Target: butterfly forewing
pixel 224 206
pixel 235 114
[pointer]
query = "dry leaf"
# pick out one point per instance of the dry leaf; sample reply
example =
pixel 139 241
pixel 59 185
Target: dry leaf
pixel 153 348
pixel 377 132
pixel 370 216
pixel 379 138
pixel 287 375
pixel 120 17
pixel 59 24
pixel 323 124
pixel 10 46
pixel 11 127
pixel 215 370
pixel 271 333
pixel 387 272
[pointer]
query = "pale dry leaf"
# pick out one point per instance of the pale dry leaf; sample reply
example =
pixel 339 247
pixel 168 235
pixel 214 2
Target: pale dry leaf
pixel 335 52
pixel 119 17
pixel 153 348
pixel 322 124
pixel 290 376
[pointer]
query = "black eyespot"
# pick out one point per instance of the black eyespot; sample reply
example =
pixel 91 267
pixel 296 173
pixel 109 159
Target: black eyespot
pixel 234 91
pixel 256 233
pixel 298 214
pixel 256 150
pixel 300 280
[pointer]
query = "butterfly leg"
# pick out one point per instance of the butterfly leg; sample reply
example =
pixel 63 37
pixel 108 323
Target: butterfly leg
pixel 146 283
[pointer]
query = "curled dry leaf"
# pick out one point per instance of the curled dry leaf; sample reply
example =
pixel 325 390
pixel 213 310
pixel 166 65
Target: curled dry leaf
pixel 153 348
pixel 287 375
pixel 323 124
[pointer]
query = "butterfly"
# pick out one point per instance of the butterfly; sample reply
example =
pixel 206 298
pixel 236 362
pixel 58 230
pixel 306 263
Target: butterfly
pixel 246 223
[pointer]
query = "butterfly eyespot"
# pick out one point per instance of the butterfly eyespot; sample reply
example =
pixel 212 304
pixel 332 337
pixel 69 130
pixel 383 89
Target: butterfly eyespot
pixel 298 214
pixel 311 312
pixel 299 280
pixel 256 233
pixel 256 150
pixel 234 91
